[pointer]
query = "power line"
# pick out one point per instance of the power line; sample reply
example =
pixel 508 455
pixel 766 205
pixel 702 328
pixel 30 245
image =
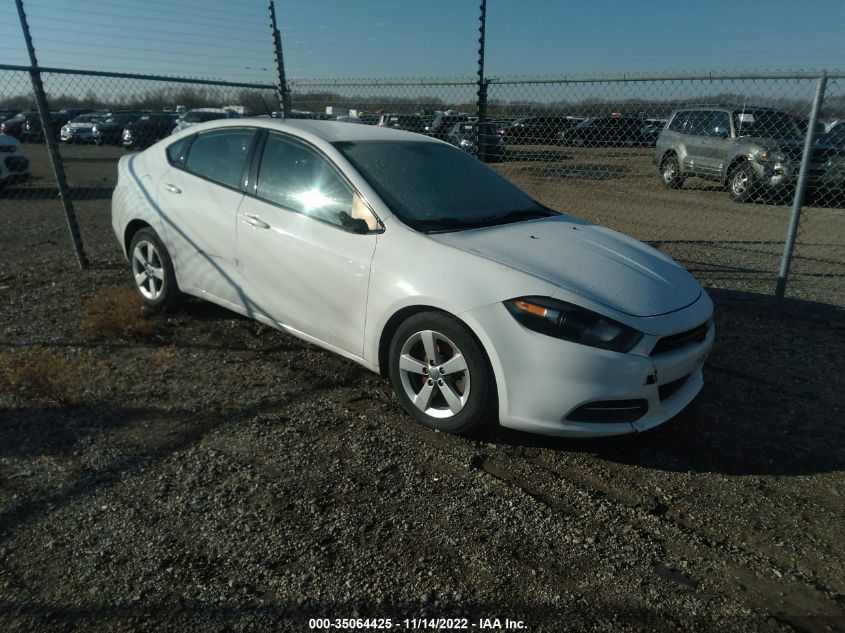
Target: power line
pixel 124 17
pixel 159 12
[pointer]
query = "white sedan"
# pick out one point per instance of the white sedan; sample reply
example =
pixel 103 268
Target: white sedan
pixel 412 258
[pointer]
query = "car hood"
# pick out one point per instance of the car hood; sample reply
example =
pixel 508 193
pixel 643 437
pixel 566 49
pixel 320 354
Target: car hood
pixel 590 261
pixel 77 126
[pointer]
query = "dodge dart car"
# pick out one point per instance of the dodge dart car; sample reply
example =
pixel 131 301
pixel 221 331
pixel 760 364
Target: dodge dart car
pixel 414 259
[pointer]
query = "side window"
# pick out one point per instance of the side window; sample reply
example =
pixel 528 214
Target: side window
pixel 220 155
pixel 719 124
pixel 298 178
pixel 678 121
pixel 177 151
pixel 697 123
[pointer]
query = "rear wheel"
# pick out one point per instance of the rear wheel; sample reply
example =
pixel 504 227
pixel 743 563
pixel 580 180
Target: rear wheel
pixel 670 173
pixel 441 374
pixel 742 185
pixel 152 271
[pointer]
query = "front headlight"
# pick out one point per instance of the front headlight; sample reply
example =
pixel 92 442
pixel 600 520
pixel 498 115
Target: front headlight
pixel 572 323
pixel 766 156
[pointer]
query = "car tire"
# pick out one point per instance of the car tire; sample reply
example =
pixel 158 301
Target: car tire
pixel 462 398
pixel 742 183
pixel 152 272
pixel 670 172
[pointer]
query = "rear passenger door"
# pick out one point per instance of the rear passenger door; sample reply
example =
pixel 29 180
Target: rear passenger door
pixel 198 198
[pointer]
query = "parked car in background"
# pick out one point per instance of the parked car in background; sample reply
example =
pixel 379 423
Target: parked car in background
pixel 380 246
pixel 14 166
pixel 8 113
pixel 749 150
pixel 80 129
pixel 407 122
pixel 537 130
pixel 610 131
pixel 147 129
pixel 201 115
pixel 651 129
pixel 109 131
pixel 32 131
pixel 834 138
pixel 442 123
pixel 465 136
pixel 368 118
pixel 13 126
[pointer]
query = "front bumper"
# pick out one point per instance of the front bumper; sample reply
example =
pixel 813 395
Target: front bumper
pixel 543 381
pixel 785 175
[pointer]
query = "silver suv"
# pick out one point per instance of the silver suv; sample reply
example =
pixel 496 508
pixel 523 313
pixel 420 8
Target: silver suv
pixel 749 150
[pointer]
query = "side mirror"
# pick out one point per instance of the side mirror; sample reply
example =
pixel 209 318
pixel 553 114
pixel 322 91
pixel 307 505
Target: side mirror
pixel 353 224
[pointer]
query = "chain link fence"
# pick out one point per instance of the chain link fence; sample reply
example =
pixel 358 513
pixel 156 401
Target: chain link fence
pixel 96 119
pixel 704 167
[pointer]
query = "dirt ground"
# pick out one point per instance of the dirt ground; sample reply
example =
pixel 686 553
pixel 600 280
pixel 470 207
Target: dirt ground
pixel 212 474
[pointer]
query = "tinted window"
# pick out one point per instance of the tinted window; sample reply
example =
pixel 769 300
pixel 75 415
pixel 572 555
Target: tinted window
pixel 220 155
pixel 697 123
pixel 677 123
pixel 719 124
pixel 177 151
pixel 298 178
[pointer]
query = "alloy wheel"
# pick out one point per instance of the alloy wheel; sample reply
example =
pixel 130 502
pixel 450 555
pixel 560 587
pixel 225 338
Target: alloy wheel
pixel 147 270
pixel 434 374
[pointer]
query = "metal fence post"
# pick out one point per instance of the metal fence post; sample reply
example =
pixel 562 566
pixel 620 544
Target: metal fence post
pixel 284 89
pixel 482 85
pixel 800 188
pixel 50 140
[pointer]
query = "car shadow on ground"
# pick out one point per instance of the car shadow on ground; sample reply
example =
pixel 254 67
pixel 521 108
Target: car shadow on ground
pixel 771 403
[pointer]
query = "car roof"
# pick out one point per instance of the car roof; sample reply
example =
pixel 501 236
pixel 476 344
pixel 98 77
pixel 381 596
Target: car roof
pixel 326 131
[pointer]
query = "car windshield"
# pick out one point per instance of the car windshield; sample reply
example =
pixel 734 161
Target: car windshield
pixel 86 118
pixel 199 117
pixel 433 187
pixel 766 124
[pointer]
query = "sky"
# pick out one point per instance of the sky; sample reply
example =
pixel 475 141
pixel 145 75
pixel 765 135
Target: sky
pixel 360 39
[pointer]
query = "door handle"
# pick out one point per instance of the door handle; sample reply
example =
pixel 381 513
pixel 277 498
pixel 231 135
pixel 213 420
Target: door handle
pixel 254 220
pixel 172 188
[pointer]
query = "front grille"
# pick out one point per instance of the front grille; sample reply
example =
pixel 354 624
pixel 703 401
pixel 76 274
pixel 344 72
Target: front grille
pixel 676 341
pixel 17 164
pixel 610 411
pixel 671 388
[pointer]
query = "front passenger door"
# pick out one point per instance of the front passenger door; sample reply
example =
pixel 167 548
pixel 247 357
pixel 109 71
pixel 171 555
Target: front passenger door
pixel 305 244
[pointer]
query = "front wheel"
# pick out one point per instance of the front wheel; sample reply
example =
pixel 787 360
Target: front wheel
pixel 152 271
pixel 742 184
pixel 441 374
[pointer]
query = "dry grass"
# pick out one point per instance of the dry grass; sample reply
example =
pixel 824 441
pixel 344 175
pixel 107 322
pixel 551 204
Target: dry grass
pixel 45 375
pixel 115 312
